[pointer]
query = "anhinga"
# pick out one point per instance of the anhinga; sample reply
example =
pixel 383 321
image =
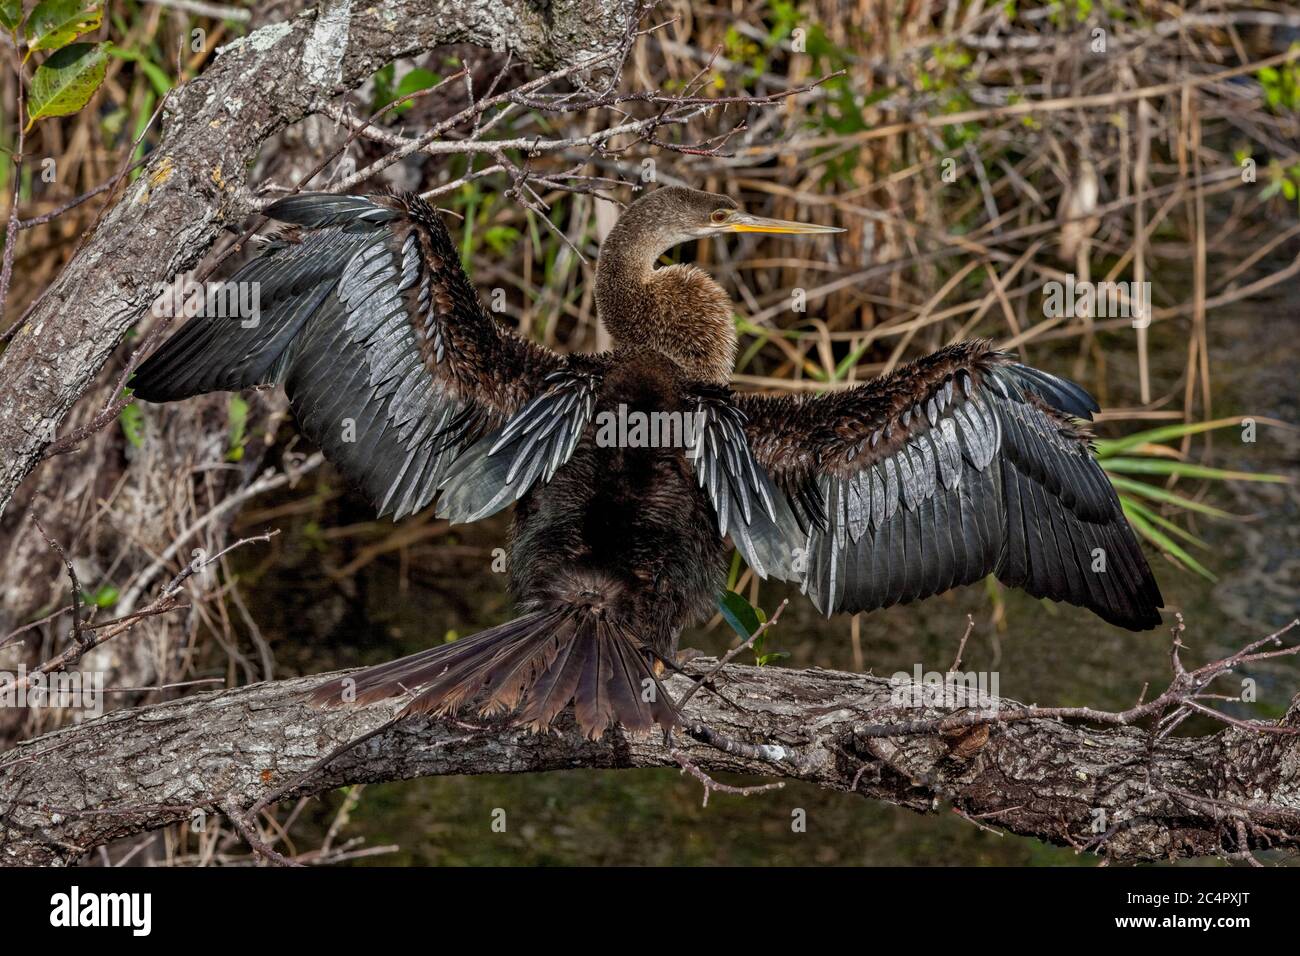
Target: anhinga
pixel 962 464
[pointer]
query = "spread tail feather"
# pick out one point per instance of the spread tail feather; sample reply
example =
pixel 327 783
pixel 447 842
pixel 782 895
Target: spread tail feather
pixel 535 666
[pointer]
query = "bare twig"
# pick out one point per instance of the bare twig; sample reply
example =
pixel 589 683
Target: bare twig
pixel 713 786
pixel 732 654
pixel 1174 704
pixel 72 576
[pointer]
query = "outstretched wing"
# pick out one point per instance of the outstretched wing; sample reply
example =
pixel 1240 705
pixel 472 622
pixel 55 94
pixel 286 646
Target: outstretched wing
pixel 959 465
pixel 391 363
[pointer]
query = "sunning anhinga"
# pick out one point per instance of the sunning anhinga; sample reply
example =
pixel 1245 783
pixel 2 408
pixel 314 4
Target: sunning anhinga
pixel 962 464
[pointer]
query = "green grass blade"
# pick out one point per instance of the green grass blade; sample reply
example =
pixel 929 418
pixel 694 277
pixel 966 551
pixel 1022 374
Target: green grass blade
pixel 1164 542
pixel 1163 522
pixel 1167 497
pixel 1163 466
pixel 1106 447
pixel 850 360
pixel 734 574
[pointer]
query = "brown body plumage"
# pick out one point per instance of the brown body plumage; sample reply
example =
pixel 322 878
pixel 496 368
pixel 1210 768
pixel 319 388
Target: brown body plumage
pixel 962 464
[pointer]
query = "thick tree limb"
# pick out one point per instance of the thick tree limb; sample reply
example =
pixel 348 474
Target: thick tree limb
pixel 195 182
pixel 1124 792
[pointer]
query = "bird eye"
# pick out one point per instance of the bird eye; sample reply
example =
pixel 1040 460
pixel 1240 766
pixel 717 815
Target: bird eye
pixel 721 215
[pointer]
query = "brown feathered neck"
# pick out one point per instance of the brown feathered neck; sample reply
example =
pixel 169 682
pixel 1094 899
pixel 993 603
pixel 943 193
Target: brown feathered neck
pixel 678 311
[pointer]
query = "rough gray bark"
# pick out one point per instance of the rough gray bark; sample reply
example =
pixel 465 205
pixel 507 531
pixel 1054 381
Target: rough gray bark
pixel 135 770
pixel 195 183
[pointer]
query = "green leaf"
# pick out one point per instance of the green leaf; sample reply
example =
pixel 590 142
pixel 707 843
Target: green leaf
pixel 739 613
pixel 383 87
pixel 500 239
pixel 137 135
pixel 11 14
pixel 56 23
pixel 414 81
pixel 132 421
pixel 105 597
pixel 66 81
pixel 237 415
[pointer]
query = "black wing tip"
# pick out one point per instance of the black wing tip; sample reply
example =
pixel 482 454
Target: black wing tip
pixel 155 388
pixel 1140 603
pixel 1061 393
pixel 1143 619
pixel 320 210
pixel 164 387
pixel 152 391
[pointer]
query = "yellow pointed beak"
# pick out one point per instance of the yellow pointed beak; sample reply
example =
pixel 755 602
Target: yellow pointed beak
pixel 743 222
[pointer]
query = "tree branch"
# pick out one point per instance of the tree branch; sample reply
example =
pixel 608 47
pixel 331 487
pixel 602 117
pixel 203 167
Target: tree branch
pixel 1127 793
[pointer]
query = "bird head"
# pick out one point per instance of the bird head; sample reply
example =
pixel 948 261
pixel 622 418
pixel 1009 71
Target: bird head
pixel 675 214
pixel 679 311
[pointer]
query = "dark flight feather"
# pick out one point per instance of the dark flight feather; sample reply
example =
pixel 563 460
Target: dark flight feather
pixel 971 464
pixel 532 445
pixel 748 505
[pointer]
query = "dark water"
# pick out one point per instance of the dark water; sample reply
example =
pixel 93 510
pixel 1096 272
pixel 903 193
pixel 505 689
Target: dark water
pixel 1048 654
